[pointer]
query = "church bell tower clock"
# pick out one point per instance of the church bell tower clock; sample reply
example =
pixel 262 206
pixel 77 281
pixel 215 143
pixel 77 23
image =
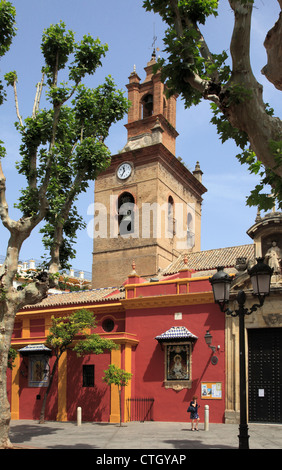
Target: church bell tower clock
pixel 147 203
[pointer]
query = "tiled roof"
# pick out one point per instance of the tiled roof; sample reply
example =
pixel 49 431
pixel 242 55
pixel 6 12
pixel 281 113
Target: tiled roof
pixel 211 259
pixel 199 261
pixel 176 333
pixel 35 348
pixel 79 297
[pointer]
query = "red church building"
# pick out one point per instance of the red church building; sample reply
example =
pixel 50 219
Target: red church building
pixel 160 327
pixel 159 309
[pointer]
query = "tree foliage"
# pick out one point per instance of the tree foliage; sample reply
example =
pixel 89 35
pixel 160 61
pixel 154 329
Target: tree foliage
pixel 7 32
pixel 7 25
pixel 64 330
pixel 72 332
pixel 192 70
pixel 11 357
pixel 62 149
pixel 114 375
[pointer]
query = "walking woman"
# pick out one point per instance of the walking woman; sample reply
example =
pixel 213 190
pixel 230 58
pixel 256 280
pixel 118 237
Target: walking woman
pixel 194 416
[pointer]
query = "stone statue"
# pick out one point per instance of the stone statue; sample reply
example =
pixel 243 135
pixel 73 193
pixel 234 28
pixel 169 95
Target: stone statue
pixel 273 257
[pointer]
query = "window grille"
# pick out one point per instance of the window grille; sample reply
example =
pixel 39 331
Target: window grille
pixel 88 375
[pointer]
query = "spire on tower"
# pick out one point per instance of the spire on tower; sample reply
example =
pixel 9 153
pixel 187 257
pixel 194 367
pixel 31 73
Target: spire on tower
pixel 154 45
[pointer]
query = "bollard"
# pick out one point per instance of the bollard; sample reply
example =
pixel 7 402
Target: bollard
pixel 78 416
pixel 206 417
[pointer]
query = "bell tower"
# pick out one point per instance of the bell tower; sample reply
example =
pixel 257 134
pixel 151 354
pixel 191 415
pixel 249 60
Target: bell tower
pixel 147 203
pixel 150 108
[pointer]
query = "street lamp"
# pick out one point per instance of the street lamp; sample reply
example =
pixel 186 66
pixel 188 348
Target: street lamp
pixel 260 275
pixel 208 340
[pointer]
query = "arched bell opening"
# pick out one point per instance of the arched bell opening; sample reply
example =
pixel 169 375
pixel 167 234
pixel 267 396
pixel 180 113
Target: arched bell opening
pixel 126 205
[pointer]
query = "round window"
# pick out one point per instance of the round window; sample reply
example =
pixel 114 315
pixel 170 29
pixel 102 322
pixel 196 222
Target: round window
pixel 108 325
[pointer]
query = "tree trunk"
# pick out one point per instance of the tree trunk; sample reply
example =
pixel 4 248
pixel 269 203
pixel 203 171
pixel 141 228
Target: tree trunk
pixel 6 329
pixel 11 301
pixel 119 391
pixel 273 45
pixel 240 100
pixel 43 408
pixel 249 115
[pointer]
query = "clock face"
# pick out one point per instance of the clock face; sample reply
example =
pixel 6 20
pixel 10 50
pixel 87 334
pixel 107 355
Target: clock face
pixel 124 171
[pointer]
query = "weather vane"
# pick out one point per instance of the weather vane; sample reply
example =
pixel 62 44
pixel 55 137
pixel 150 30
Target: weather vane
pixel 154 42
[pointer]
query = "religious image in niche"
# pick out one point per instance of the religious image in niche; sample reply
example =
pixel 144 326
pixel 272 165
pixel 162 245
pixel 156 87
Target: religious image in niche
pixel 273 257
pixel 177 362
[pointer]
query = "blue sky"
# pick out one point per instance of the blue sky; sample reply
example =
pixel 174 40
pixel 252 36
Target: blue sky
pixel 129 29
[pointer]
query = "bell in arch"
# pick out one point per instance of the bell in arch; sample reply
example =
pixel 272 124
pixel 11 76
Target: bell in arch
pixel 126 214
pixel 147 106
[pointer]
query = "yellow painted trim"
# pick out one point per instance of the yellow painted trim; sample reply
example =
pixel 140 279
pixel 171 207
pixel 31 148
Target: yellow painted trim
pixel 48 323
pixel 121 337
pixel 169 300
pixel 15 392
pixel 17 342
pixel 170 281
pixel 117 337
pixel 177 280
pixel 51 310
pixel 127 389
pixel 25 328
pixel 62 388
pixel 114 412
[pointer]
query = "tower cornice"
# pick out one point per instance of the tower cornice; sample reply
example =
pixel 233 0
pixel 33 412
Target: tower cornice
pixel 158 153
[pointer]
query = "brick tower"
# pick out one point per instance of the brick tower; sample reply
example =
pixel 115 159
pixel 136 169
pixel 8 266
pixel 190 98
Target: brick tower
pixel 148 204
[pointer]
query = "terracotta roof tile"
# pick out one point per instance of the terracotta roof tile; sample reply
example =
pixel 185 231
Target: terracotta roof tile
pixel 211 259
pixel 201 262
pixel 79 297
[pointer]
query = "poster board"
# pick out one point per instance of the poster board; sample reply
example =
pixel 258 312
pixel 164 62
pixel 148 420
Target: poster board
pixel 211 390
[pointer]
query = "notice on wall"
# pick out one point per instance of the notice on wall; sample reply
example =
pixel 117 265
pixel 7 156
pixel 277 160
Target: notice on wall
pixel 211 390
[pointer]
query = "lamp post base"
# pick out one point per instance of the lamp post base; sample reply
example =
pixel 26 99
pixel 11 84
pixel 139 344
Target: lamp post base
pixel 243 437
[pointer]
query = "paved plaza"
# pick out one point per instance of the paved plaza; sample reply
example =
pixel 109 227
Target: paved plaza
pixel 173 436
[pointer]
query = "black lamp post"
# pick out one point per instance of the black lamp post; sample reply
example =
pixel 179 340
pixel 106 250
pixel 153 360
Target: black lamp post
pixel 260 275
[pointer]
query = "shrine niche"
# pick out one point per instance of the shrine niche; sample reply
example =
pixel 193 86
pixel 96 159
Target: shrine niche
pixel 272 252
pixel 178 345
pixel 267 236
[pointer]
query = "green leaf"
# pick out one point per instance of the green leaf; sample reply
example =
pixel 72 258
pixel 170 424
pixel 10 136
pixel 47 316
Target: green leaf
pixel 87 56
pixel 11 78
pixel 7 25
pixel 57 44
pixel 115 375
pixel 62 148
pixel 64 330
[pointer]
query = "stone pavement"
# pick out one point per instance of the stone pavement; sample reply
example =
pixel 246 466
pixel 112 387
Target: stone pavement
pixel 27 434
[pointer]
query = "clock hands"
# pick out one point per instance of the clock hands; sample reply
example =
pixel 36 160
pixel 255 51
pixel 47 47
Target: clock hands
pixel 124 171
